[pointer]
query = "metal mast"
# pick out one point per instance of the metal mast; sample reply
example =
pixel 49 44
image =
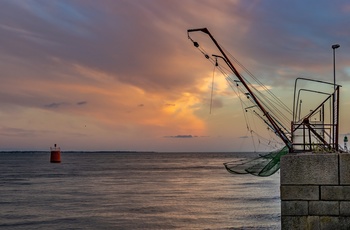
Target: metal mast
pixel 273 123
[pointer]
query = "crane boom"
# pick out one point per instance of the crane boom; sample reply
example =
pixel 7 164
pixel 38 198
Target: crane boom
pixel 270 119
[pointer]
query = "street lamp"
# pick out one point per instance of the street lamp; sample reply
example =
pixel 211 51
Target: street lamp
pixel 335 114
pixel 335 46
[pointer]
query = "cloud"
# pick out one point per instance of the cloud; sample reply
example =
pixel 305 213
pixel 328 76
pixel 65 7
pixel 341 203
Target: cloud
pixel 184 136
pixel 54 105
pixel 217 103
pixel 12 132
pixel 83 62
pixel 81 103
pixel 181 136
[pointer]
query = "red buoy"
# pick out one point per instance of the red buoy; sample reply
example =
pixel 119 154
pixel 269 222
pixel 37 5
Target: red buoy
pixel 55 154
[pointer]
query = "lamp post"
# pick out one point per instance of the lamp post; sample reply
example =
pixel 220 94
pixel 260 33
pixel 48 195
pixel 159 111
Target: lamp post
pixel 334 47
pixel 335 127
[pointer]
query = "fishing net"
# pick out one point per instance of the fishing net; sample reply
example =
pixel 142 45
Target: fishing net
pixel 264 165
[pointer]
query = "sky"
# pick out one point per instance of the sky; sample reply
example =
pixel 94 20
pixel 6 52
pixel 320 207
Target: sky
pixel 123 75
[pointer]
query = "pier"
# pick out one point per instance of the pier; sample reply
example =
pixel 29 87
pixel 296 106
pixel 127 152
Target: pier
pixel 315 191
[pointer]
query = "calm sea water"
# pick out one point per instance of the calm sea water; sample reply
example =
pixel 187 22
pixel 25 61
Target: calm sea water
pixel 133 191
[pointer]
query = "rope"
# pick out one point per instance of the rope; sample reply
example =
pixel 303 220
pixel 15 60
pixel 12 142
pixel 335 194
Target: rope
pixel 212 86
pixel 269 104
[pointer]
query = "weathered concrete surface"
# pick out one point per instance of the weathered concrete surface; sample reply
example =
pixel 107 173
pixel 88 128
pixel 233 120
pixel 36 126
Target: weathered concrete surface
pixel 344 209
pixel 335 192
pixel 300 222
pixel 309 169
pixel 315 191
pixel 334 223
pixel 324 208
pixel 299 192
pixel 295 208
pixel 315 223
pixel 344 167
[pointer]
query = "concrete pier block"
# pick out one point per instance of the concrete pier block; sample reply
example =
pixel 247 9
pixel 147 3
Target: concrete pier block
pixel 344 168
pixel 294 208
pixel 324 208
pixel 300 222
pixel 298 192
pixel 345 209
pixel 334 223
pixel 335 193
pixel 315 191
pixel 309 169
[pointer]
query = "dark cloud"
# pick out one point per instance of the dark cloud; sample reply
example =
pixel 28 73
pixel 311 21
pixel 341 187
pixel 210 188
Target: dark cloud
pixel 114 54
pixel 17 132
pixel 54 105
pixel 184 136
pixel 82 103
pixel 217 103
pixel 181 136
pixel 138 44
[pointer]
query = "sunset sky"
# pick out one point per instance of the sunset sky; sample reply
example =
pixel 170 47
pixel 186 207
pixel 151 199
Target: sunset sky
pixel 122 75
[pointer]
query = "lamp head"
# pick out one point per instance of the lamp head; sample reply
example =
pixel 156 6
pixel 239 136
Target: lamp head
pixel 336 46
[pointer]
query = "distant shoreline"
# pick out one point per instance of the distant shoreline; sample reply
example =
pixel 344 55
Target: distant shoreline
pixel 76 151
pixel 126 151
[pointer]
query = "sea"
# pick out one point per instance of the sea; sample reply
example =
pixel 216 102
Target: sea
pixel 134 190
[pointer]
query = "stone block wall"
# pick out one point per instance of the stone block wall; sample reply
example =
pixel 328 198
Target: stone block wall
pixel 315 191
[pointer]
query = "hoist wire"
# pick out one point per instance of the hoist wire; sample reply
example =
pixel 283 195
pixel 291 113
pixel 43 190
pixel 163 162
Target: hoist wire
pixel 275 114
pixel 269 102
pixel 222 70
pixel 266 142
pixel 251 133
pixel 258 81
pixel 212 89
pixel 266 105
pixel 253 141
pixel 247 120
pixel 239 97
pixel 278 101
pixel 272 107
pixel 269 130
pixel 243 140
pixel 264 165
pixel 238 91
pixel 230 81
pixel 274 111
